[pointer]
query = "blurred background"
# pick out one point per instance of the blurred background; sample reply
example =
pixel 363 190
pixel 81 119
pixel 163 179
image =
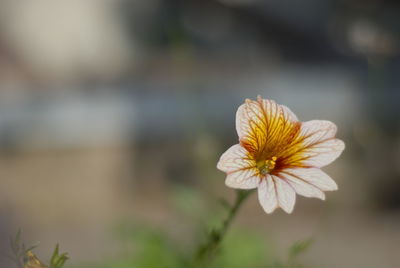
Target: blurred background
pixel 113 115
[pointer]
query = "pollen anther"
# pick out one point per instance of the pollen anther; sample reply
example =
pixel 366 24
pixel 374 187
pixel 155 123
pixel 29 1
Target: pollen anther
pixel 267 166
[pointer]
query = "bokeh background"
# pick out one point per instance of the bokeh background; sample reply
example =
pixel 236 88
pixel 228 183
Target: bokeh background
pixel 114 113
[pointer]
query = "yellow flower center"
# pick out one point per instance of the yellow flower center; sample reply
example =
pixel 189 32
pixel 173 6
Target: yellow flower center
pixel 266 166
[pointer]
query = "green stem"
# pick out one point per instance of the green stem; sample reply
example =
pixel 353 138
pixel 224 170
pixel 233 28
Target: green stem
pixel 207 251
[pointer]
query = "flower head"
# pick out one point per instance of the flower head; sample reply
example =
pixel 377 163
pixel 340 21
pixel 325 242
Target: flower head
pixel 280 155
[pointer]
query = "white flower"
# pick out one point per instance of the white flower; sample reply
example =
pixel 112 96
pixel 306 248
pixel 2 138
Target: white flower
pixel 280 155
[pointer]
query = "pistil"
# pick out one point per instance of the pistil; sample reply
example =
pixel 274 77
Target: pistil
pixel 266 166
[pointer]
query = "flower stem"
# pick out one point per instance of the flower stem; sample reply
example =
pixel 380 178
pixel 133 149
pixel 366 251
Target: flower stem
pixel 207 251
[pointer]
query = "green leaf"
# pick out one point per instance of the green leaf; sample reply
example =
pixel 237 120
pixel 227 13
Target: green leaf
pixel 55 254
pixel 32 247
pixel 15 243
pixel 57 260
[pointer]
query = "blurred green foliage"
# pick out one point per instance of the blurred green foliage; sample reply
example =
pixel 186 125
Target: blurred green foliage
pixel 146 247
pixel 23 257
pixel 150 246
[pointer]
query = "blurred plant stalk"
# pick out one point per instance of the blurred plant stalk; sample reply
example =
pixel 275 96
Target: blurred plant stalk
pixel 206 252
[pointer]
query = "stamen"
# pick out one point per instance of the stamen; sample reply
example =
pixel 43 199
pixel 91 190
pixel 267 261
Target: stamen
pixel 266 166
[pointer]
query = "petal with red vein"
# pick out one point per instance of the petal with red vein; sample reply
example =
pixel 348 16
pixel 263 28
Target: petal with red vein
pixel 320 147
pixel 285 194
pixel 313 176
pixel 302 187
pixel 267 194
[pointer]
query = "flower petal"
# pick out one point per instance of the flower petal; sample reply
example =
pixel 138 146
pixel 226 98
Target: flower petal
pixel 313 176
pixel 317 130
pixel 320 146
pixel 285 194
pixel 274 192
pixel 263 121
pixel 302 187
pixel 240 168
pixel 267 194
pixel 251 124
pixel 234 159
pixel 242 179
